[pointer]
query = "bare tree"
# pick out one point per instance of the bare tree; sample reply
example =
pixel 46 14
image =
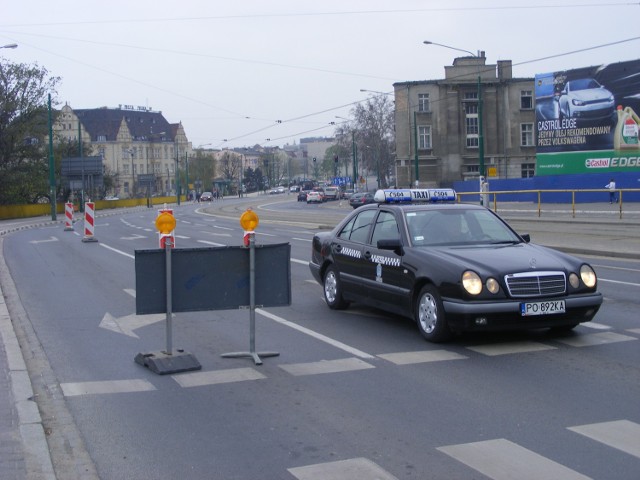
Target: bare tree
pixel 373 125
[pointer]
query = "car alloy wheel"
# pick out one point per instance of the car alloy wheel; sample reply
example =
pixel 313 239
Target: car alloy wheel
pixel 430 315
pixel 333 290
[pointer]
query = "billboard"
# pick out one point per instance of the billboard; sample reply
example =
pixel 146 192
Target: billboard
pixel 587 120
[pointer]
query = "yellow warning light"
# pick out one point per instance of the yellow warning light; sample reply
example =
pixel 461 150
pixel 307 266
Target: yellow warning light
pixel 249 220
pixel 165 223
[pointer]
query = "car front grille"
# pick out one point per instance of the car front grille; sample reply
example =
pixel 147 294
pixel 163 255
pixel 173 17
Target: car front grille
pixel 536 284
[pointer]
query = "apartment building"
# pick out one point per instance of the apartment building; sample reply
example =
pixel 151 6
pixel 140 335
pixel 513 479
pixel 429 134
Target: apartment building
pixel 139 148
pixel 438 124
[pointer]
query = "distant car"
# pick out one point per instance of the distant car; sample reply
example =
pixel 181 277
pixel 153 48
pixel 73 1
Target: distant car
pixel 346 194
pixel 206 197
pixel 294 188
pixel 451 267
pixel 314 197
pixel 273 191
pixel 302 195
pixel 362 198
pixel 280 189
pixel 331 193
pixel 585 99
pixel 111 197
pixel 320 190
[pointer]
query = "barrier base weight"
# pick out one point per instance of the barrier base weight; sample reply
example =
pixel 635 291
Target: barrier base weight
pixel 255 355
pixel 162 363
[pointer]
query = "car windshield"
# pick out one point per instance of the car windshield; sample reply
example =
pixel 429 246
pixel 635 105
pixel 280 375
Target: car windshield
pixel 584 84
pixel 457 227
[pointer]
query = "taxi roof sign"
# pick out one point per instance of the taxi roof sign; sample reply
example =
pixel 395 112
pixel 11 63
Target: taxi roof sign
pixel 414 195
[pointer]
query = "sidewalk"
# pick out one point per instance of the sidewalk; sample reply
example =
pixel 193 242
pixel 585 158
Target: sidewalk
pixel 590 229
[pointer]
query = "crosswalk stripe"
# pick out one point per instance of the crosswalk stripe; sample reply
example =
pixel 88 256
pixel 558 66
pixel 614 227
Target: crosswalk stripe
pixel 326 366
pixel 424 356
pixel 110 386
pixel 200 379
pixel 592 339
pixel 501 459
pixel 510 348
pixel 621 434
pixel 351 469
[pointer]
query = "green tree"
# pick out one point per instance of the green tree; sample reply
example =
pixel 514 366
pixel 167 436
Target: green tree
pixel 24 91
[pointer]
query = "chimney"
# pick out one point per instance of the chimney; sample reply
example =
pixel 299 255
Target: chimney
pixel 505 70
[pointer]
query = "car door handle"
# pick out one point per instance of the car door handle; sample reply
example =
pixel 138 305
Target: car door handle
pixel 338 248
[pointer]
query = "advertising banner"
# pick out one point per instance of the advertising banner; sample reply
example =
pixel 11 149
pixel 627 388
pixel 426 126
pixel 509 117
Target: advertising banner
pixel 587 120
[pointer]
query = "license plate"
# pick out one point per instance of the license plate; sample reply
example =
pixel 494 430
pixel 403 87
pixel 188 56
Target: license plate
pixel 542 308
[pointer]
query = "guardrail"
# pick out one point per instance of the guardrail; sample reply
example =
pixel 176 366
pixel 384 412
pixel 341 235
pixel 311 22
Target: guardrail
pixel 529 195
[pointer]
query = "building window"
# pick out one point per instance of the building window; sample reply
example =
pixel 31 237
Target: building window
pixel 526 135
pixel 471 121
pixel 157 168
pixel 125 169
pixel 126 187
pixel 102 138
pixel 424 137
pixel 528 170
pixel 526 100
pixel 423 102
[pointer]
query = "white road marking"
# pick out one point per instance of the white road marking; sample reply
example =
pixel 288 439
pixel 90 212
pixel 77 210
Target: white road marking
pixel 621 434
pixel 200 379
pixel 130 291
pixel 302 262
pixel 510 348
pixel 351 469
pixel 633 284
pixel 316 335
pixel 206 242
pixel 302 239
pixel 112 386
pixel 117 251
pixel 504 460
pixel 424 356
pixel 326 366
pixel 50 239
pixel 634 330
pixel 592 339
pixel 595 326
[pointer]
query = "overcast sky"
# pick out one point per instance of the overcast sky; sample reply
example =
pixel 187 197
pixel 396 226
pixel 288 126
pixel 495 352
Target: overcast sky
pixel 237 73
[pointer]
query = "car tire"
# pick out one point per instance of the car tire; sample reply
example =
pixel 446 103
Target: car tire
pixel 332 289
pixel 430 315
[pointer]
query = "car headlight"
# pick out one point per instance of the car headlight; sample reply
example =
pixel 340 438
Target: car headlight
pixel 577 103
pixel 574 280
pixel 588 276
pixel 471 282
pixel 492 285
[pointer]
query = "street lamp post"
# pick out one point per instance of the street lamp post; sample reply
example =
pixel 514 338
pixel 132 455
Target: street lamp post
pixel 481 169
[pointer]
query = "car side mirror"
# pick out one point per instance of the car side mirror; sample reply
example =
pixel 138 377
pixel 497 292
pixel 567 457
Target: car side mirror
pixel 526 237
pixel 393 244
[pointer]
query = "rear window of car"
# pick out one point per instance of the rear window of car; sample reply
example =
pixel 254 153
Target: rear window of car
pixel 357 230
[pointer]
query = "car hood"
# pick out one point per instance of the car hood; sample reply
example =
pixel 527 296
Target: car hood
pixel 591 95
pixel 503 259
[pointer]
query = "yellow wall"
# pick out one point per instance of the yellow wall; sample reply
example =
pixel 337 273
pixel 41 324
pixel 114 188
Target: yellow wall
pixel 42 209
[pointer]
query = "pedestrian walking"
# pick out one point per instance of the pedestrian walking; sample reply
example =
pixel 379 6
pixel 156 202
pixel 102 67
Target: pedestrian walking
pixel 612 190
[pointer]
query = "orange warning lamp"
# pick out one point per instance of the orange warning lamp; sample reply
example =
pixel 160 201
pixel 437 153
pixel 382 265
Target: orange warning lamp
pixel 165 223
pixel 249 220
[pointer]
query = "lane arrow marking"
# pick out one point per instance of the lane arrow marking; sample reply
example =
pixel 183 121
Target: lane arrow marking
pixel 51 239
pixel 127 324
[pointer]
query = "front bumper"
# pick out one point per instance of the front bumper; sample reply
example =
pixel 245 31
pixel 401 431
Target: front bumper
pixel 465 316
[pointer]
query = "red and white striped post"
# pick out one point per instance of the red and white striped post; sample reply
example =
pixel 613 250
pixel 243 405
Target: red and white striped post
pixel 68 216
pixel 89 222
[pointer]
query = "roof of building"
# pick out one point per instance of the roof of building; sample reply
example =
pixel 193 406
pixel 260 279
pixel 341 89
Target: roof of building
pixel 143 125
